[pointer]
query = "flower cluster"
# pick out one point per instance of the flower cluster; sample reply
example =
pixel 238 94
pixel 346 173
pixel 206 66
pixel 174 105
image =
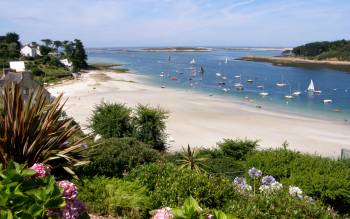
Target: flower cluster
pixel 268 180
pixel 40 169
pixel 242 184
pixel 73 207
pixel 267 189
pixel 295 191
pixel 254 173
pixel 163 213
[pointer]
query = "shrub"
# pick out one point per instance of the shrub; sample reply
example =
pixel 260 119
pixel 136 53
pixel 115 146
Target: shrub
pixel 111 120
pixel 114 197
pixel 170 186
pixel 22 195
pixel 322 178
pixel 33 131
pixel 149 124
pixel 37 72
pixel 113 157
pixel 237 149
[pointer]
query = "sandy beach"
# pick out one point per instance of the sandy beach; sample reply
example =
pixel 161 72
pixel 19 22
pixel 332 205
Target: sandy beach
pixel 202 120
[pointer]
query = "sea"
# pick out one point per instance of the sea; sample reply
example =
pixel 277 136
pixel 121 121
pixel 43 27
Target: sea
pixel 216 73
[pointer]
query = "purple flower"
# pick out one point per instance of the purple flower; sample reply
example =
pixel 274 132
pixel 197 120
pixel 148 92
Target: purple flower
pixel 253 172
pixel 73 209
pixel 241 183
pixel 40 169
pixel 268 180
pixel 70 190
pixel 163 214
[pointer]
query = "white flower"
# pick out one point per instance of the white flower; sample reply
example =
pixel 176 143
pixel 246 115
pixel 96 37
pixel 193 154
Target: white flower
pixel 267 189
pixel 295 191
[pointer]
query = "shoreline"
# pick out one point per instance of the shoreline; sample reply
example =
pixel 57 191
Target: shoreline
pixel 205 119
pixel 300 62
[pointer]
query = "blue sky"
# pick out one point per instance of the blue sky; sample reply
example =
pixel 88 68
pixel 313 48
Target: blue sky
pixel 178 22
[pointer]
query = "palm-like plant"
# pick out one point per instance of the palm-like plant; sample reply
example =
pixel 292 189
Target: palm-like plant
pixel 192 160
pixel 34 131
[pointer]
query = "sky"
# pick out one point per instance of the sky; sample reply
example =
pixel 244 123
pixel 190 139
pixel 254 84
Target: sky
pixel 113 23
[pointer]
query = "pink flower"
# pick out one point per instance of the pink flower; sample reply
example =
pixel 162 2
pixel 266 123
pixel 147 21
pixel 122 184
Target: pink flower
pixel 40 169
pixel 209 216
pixel 163 214
pixel 73 209
pixel 70 190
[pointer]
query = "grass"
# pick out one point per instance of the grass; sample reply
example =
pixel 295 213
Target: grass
pixel 53 74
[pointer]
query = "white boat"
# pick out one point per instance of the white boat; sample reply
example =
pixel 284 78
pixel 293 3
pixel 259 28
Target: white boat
pixel 260 86
pixel 225 89
pixel 311 87
pixel 218 74
pixel 162 86
pixel 281 84
pixel 296 93
pixel 327 101
pixel 224 78
pixel 317 91
pixel 237 76
pixel 239 86
pixel 192 62
pixel 264 94
pixel 250 81
pixel 288 97
pixel 226 60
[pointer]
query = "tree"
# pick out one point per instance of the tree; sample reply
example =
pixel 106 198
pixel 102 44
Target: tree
pixel 47 42
pixel 192 160
pixel 12 38
pixel 57 44
pixel 79 56
pixel 44 50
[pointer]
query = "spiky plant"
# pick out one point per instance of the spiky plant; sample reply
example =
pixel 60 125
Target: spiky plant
pixel 191 159
pixel 34 131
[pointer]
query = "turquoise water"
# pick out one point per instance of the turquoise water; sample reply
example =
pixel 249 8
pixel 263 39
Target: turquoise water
pixel 334 84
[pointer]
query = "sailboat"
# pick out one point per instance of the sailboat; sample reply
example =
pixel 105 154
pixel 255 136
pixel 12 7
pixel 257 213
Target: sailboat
pixel 297 92
pixel 169 58
pixel 201 70
pixel 311 87
pixel 193 62
pixel 264 94
pixel 281 84
pixel 226 60
pixel 290 96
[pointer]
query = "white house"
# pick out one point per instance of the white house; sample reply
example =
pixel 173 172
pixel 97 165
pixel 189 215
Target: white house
pixel 30 51
pixel 66 62
pixel 17 66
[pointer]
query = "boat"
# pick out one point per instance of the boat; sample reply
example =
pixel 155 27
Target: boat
pixel 290 96
pixel 169 58
pixel 218 74
pixel 311 87
pixel 264 94
pixel 193 62
pixel 201 70
pixel 237 76
pixel 162 86
pixel 239 86
pixel 226 60
pixel 325 101
pixel 225 89
pixel 250 81
pixel 224 78
pixel 317 91
pixel 281 84
pixel 296 93
pixel 222 83
pixel 260 86
pixel 173 78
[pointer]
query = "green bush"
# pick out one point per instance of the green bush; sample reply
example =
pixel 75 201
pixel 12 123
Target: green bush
pixel 149 125
pixel 322 178
pixel 113 157
pixel 170 186
pixel 277 205
pixel 24 196
pixel 37 72
pixel 114 197
pixel 237 149
pixel 111 120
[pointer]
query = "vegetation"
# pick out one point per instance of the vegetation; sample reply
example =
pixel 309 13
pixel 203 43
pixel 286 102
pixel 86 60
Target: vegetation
pixel 115 157
pixel 237 149
pixel 321 178
pixel 24 196
pixel 34 131
pixel 149 126
pixel 115 197
pixel 9 48
pixel 191 159
pixel 339 50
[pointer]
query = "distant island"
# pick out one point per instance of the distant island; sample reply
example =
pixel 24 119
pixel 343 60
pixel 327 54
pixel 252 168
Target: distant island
pixel 174 49
pixel 333 55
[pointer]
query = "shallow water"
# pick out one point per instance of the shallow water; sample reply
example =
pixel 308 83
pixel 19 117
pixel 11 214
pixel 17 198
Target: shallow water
pixel 334 84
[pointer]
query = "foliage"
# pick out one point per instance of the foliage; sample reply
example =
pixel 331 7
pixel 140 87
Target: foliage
pixel 237 149
pixel 111 196
pixel 191 210
pixel 112 120
pixel 170 186
pixel 9 48
pixel 191 159
pixel 24 196
pixel 37 72
pixel 276 205
pixel 78 56
pixel 114 157
pixel 33 131
pixel 149 125
pixel 322 178
pixel 325 50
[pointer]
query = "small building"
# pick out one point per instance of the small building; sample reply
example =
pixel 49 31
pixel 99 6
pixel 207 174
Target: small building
pixel 66 63
pixel 30 51
pixel 24 79
pixel 17 66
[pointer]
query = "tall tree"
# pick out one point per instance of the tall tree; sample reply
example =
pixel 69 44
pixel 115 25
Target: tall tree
pixel 12 38
pixel 57 44
pixel 79 56
pixel 47 42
